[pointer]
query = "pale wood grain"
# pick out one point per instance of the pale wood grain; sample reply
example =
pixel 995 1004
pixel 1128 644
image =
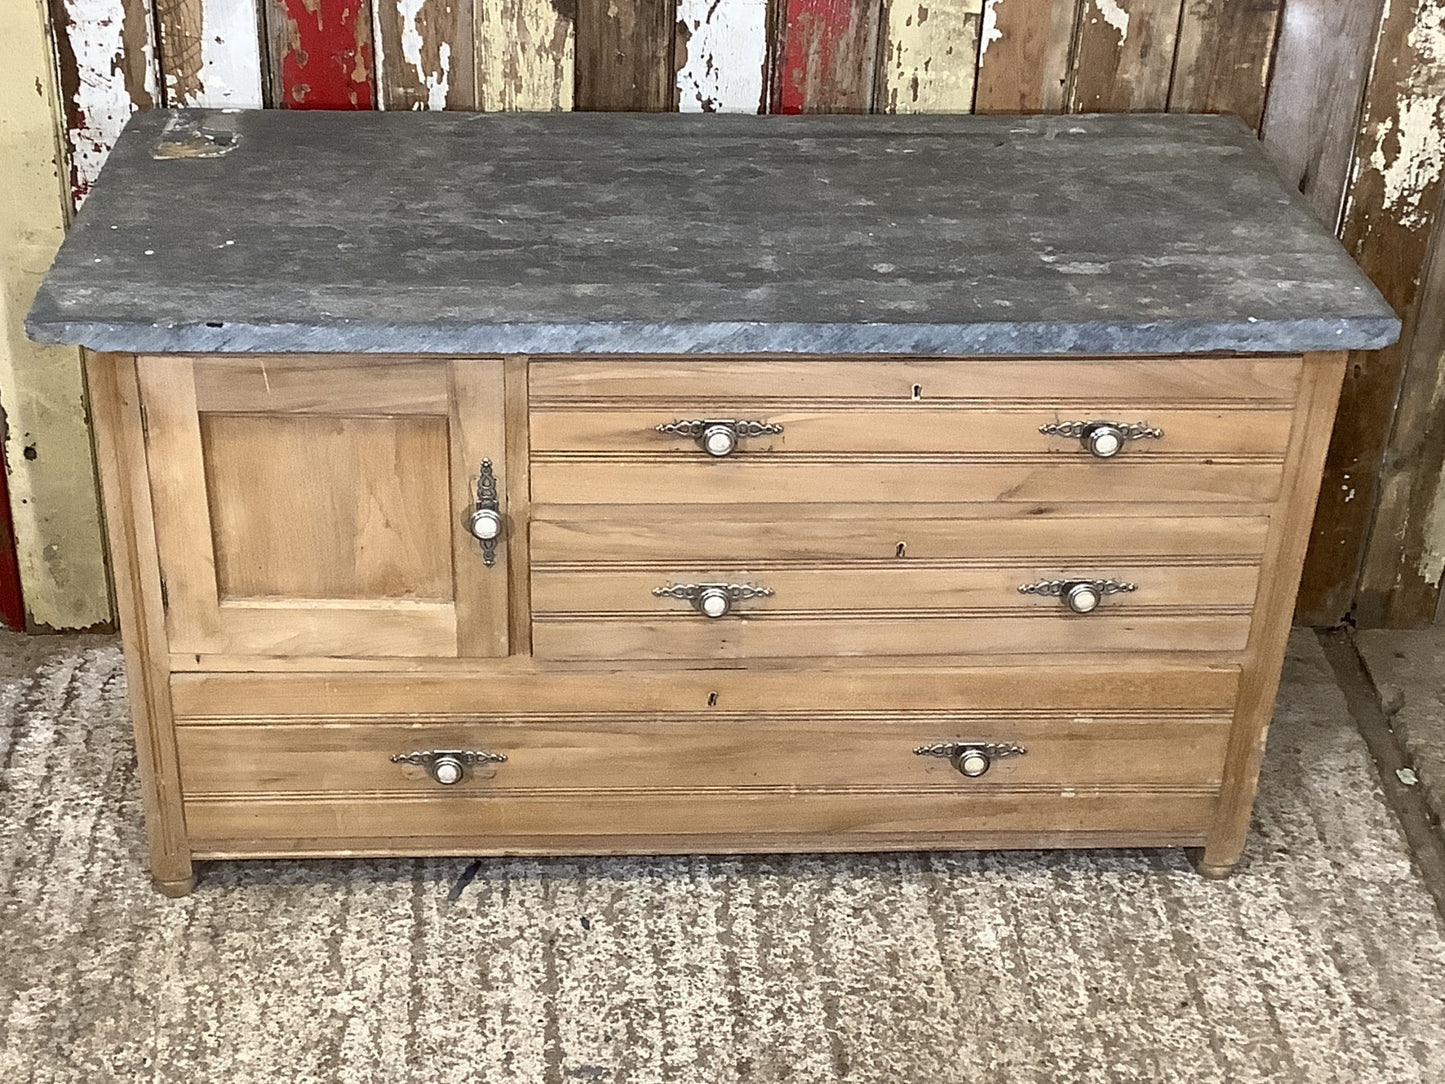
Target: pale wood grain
pixel 840 754
pixel 1025 49
pixel 1279 583
pixel 915 380
pixel 121 462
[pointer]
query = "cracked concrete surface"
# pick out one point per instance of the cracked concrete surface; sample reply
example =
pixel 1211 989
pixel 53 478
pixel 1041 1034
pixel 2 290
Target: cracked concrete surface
pixel 1407 667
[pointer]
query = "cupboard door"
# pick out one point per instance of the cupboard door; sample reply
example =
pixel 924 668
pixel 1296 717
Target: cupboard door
pixel 320 506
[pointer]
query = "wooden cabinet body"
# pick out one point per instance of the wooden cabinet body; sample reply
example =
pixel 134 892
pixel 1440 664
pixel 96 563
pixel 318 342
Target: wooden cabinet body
pixel 303 600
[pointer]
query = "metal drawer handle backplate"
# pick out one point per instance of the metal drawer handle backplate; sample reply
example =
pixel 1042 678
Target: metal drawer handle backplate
pixel 971 758
pixel 712 599
pixel 1102 439
pixel 1080 596
pixel 448 766
pixel 719 436
pixel 485 520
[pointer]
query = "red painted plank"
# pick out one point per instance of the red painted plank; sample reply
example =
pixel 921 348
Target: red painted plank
pixel 322 55
pixel 12 607
pixel 826 57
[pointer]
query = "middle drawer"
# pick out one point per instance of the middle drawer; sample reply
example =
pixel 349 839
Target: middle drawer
pixel 678 585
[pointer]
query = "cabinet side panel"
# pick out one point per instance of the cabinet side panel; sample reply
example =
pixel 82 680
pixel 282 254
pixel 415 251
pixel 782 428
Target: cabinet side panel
pixel 121 457
pixel 1283 562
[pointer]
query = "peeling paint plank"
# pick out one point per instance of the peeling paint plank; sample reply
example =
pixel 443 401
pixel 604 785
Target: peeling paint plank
pixel 1399 161
pixel 526 54
pixel 930 56
pixel 624 55
pixel 107 69
pixel 826 56
pixel 210 53
pixel 59 548
pixel 1124 55
pixel 424 54
pixel 1322 61
pixel 1024 50
pixel 1222 61
pixel 721 55
pixel 320 54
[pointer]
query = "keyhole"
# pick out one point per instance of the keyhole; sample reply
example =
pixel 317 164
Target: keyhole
pixel 917 391
pixel 901 550
pixel 712 700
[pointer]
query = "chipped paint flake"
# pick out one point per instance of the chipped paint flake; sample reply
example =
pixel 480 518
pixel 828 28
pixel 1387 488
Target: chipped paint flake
pixel 436 84
pixel 526 54
pixel 930 56
pixel 219 67
pixel 1115 16
pixel 1409 149
pixel 101 101
pixel 990 32
pixel 725 55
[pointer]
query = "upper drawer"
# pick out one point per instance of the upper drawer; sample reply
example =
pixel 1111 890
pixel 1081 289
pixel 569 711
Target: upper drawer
pixel 1198 430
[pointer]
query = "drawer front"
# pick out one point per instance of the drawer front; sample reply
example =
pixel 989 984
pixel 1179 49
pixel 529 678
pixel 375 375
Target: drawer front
pixel 1192 381
pixel 618 589
pixel 849 774
pixel 1245 431
pixel 1211 431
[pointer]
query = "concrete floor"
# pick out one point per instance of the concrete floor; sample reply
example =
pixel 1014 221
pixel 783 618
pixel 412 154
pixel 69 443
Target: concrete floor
pixel 1407 669
pixel 1318 962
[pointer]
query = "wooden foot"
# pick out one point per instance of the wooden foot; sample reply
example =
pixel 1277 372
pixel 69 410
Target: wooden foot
pixel 1211 871
pixel 175 889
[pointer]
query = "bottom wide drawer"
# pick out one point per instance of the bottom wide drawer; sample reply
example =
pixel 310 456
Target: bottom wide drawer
pixel 844 778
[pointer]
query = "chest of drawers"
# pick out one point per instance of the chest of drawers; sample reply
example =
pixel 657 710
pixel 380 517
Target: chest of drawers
pixel 493 545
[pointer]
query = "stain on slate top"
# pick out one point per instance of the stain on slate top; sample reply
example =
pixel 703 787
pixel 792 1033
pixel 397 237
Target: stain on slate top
pixel 542 233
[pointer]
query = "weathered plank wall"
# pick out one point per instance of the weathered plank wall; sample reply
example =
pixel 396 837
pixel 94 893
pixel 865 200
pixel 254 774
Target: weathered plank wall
pixel 61 558
pixel 1340 89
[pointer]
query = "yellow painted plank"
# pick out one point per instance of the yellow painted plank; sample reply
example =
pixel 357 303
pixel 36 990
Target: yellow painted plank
pixel 47 442
pixel 930 56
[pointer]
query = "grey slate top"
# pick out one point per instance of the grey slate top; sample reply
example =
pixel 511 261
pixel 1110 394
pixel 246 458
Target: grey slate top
pixel 553 233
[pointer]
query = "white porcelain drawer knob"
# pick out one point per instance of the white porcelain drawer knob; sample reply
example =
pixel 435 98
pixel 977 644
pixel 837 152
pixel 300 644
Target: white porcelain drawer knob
pixel 486 524
pixel 1082 598
pixel 971 759
pixel 719 439
pixel 1078 596
pixel 1103 440
pixel 712 599
pixel 448 766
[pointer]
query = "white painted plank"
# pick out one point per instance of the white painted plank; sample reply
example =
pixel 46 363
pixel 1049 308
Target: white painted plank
pixel 721 55
pixel 113 74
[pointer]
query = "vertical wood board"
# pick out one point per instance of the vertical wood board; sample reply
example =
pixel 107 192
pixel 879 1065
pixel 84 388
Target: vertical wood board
pixel 825 56
pixel 526 53
pixel 1222 62
pixel 930 56
pixel 59 547
pixel 721 55
pixel 624 55
pixel 320 54
pixel 1024 55
pixel 1312 112
pixel 1124 55
pixel 210 53
pixel 1405 551
pixel 424 54
pixel 108 70
pixel 1399 160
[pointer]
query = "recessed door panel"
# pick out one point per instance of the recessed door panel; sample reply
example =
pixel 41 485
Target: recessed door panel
pixel 322 509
